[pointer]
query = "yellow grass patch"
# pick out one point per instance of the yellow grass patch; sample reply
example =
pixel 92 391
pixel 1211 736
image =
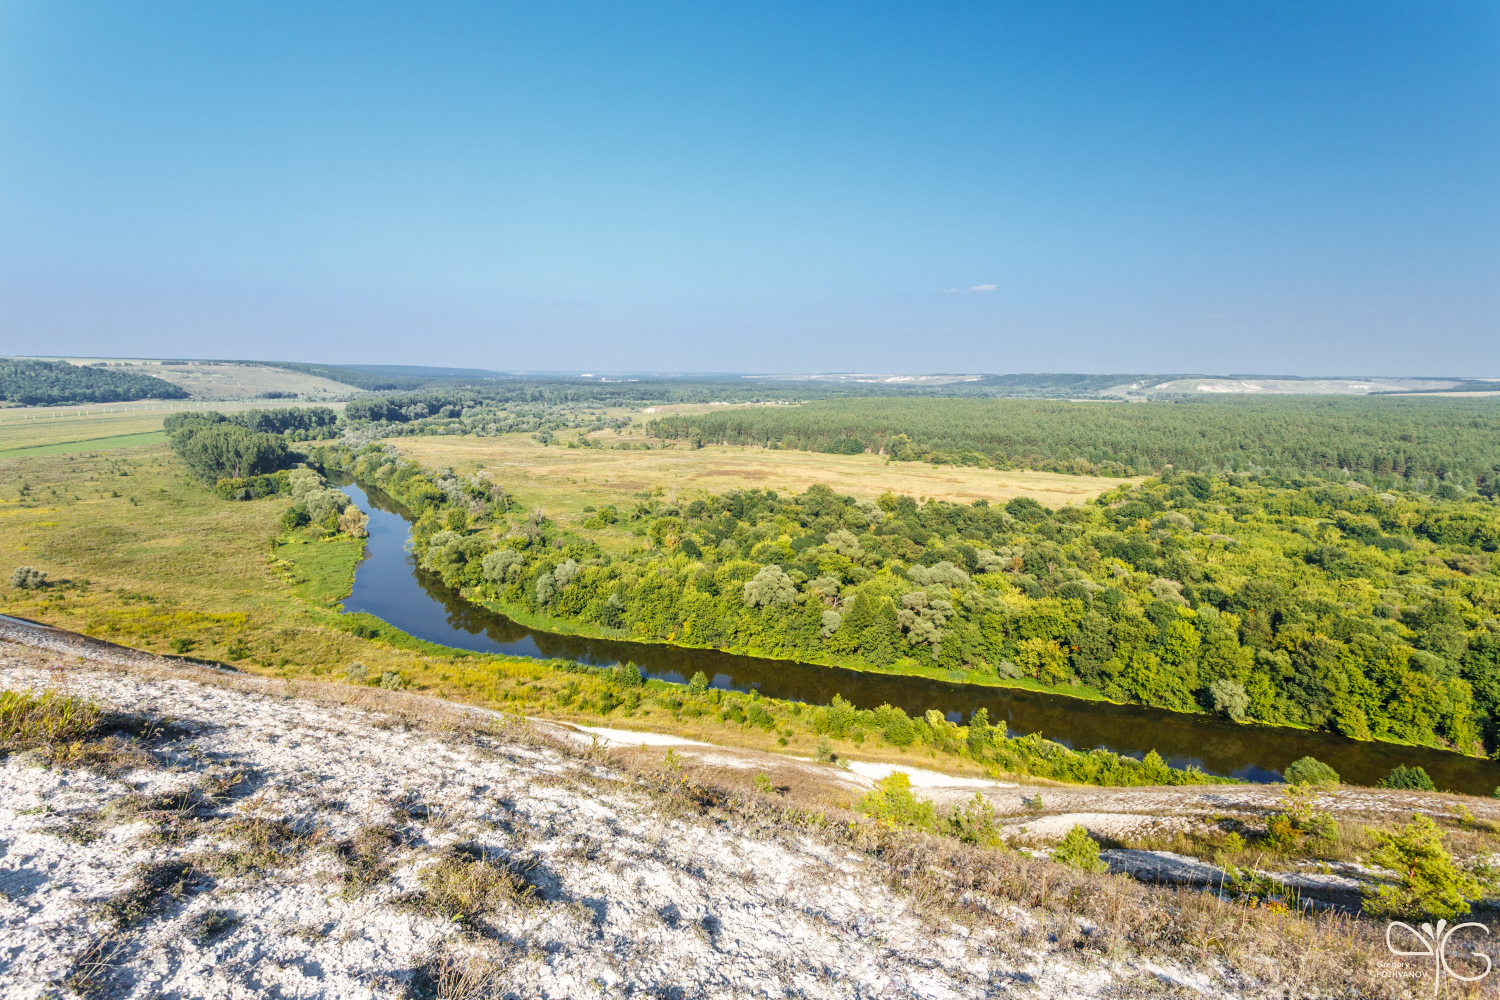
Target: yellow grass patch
pixel 561 477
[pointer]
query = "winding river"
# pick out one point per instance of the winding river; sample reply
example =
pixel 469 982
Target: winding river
pixel 389 585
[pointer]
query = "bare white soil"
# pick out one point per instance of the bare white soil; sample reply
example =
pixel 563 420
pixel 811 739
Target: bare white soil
pixel 626 897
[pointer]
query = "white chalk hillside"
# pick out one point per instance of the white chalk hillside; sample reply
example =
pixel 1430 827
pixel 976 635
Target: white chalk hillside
pixel 274 845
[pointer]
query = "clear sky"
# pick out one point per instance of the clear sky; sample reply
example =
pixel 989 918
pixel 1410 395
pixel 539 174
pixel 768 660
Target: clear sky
pixel 1292 187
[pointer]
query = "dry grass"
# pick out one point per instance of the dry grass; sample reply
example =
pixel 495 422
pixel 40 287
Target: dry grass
pixel 465 883
pixel 564 480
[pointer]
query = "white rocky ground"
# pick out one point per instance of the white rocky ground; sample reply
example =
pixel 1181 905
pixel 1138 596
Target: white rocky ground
pixel 625 898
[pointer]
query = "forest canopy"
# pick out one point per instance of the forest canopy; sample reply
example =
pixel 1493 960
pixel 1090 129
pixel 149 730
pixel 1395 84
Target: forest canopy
pixel 243 445
pixel 1378 440
pixel 55 383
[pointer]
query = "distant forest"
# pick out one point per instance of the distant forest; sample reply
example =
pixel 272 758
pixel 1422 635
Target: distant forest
pixel 52 383
pixel 1451 441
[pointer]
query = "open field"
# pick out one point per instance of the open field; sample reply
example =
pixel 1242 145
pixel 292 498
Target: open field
pixel 219 381
pixel 102 426
pixel 564 480
pixel 237 382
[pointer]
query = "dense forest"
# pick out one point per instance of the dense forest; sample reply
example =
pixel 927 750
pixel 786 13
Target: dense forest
pixel 1438 444
pixel 1277 599
pixel 55 383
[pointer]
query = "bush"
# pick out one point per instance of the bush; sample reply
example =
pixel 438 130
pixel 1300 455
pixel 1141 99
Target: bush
pixel 1311 771
pixel 1079 850
pixel 891 802
pixel 28 578
pixel 356 673
pixel 1428 883
pixel 975 823
pixel 1412 778
pixel 699 683
pixel 392 681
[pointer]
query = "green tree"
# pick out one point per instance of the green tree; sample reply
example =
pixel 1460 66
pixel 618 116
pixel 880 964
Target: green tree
pixel 1079 850
pixel 1428 883
pixel 1311 771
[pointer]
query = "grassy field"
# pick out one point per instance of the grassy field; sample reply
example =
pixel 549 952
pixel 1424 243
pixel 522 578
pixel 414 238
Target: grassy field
pixel 28 429
pixel 564 480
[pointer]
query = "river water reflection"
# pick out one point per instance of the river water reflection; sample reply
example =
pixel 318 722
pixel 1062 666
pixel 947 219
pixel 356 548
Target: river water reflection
pixel 389 585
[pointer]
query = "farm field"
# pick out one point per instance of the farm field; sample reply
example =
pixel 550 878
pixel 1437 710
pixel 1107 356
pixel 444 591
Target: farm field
pixel 206 380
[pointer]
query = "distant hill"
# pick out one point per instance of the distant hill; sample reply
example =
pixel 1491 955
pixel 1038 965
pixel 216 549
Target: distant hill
pixel 386 378
pixel 53 383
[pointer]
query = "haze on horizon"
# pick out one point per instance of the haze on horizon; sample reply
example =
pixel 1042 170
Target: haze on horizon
pixel 1175 187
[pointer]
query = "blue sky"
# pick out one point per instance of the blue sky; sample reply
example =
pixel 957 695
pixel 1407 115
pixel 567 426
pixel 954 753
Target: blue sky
pixel 1302 188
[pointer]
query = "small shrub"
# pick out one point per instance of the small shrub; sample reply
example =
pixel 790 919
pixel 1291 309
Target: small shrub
pixel 366 857
pixel 392 681
pixel 1411 778
pixel 1035 803
pixel 825 750
pixel 149 890
pixel 699 684
pixel 356 673
pixel 891 802
pixel 181 646
pixel 1313 772
pixel 210 924
pixel 1079 850
pixel 1428 883
pixel 975 823
pixel 463 885
pixel 763 784
pixel 28 578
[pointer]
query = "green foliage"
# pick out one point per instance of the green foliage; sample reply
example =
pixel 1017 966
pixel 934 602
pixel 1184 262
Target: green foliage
pixel 28 578
pixel 891 802
pixel 1311 771
pixel 54 383
pixel 1079 850
pixel 1373 437
pixel 1427 884
pixel 975 823
pixel 1412 778
pixel 252 488
pixel 218 449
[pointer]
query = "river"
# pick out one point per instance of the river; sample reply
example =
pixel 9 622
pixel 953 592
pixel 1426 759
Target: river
pixel 389 585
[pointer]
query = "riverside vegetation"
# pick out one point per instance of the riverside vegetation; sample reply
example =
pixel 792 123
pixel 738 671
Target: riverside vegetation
pixel 1285 600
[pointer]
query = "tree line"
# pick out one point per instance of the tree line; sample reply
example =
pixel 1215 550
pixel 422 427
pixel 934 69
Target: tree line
pixel 1378 440
pixel 56 383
